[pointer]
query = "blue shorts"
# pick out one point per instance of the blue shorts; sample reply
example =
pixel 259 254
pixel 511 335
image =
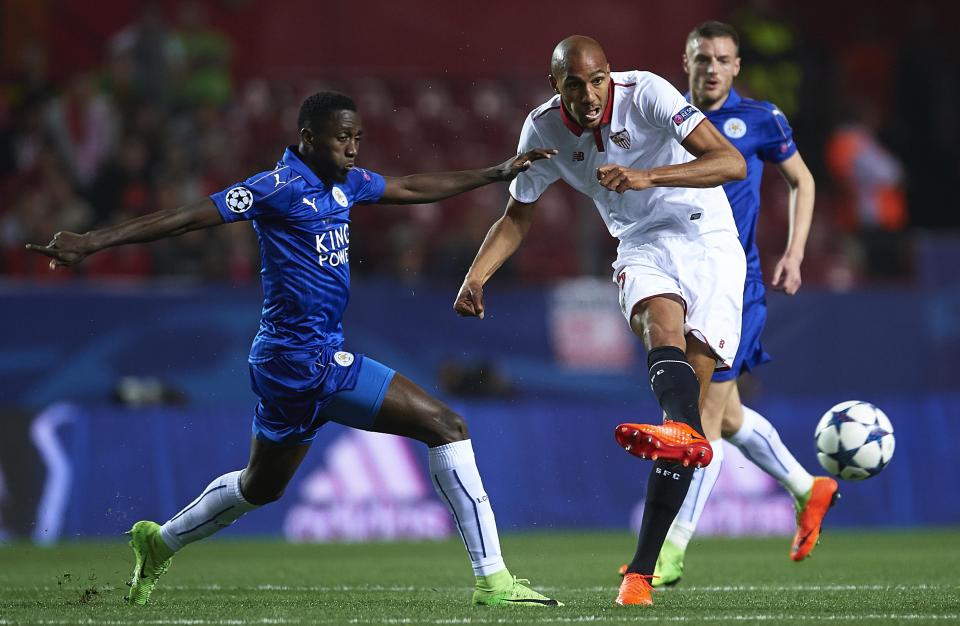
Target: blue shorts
pixel 300 393
pixel 750 353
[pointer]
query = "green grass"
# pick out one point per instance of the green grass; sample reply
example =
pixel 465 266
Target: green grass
pixel 866 578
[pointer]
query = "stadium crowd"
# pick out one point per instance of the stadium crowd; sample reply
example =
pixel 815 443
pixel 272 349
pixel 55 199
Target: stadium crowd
pixel 166 119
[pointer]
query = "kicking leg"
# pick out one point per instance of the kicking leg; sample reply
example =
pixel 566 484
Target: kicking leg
pixel 679 371
pixel 760 443
pixel 410 412
pixel 224 501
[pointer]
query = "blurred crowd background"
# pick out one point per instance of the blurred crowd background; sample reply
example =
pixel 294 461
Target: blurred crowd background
pixel 115 109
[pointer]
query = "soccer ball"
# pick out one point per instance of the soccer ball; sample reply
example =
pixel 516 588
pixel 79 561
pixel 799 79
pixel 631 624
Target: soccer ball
pixel 854 440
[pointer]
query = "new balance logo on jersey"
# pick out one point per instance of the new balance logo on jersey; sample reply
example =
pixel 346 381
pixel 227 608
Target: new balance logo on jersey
pixel 578 156
pixel 311 203
pixel 369 487
pixel 621 139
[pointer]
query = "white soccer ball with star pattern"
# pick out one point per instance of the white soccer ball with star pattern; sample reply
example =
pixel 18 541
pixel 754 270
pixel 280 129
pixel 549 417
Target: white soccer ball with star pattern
pixel 854 440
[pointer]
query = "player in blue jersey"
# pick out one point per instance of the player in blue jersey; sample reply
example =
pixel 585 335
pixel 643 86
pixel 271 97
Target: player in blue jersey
pixel 299 369
pixel 762 134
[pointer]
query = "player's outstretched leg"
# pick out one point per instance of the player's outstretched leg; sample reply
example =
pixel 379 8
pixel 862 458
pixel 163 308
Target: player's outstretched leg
pixel 219 505
pixel 152 559
pixel 408 411
pixel 760 442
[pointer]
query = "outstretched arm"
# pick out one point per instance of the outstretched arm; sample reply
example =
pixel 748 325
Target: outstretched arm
pixel 786 275
pixel 716 162
pixel 502 240
pixel 68 248
pixel 420 188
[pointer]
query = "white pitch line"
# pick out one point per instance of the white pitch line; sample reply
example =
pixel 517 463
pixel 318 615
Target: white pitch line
pixel 748 588
pixel 598 588
pixel 617 616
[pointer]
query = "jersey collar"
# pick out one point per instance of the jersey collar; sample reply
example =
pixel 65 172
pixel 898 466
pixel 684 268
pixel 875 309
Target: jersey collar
pixel 733 99
pixel 574 127
pixel 292 159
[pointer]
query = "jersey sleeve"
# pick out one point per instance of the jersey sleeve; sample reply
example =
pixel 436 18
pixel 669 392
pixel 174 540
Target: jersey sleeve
pixel 778 143
pixel 665 107
pixel 529 185
pixel 368 186
pixel 263 195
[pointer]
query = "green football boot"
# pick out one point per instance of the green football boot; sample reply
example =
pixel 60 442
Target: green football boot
pixel 669 569
pixel 502 589
pixel 153 559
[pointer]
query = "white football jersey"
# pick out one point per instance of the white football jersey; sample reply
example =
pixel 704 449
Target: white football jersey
pixel 645 120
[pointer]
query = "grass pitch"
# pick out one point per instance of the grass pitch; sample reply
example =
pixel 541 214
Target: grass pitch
pixel 863 578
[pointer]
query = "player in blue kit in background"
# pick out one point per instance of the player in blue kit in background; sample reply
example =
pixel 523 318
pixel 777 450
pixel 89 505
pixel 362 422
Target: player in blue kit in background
pixel 298 368
pixel 762 134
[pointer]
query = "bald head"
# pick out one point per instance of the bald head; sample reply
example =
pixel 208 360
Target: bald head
pixel 574 49
pixel 579 72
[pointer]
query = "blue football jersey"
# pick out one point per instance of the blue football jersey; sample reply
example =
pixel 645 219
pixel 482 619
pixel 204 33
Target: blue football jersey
pixel 761 133
pixel 303 227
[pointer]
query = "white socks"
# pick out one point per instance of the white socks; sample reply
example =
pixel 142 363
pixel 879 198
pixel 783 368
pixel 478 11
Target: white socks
pixel 685 523
pixel 220 504
pixel 760 443
pixel 453 472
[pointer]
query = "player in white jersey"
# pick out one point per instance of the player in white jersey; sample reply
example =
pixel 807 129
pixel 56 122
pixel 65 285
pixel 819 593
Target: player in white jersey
pixel 651 162
pixel 761 133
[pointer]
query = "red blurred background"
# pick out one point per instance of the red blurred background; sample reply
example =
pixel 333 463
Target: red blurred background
pixel 114 109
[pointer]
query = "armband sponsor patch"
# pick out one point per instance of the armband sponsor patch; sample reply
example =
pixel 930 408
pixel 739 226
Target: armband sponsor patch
pixel 684 114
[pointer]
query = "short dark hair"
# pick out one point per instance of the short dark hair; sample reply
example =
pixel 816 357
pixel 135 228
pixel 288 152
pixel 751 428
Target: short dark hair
pixel 713 30
pixel 321 104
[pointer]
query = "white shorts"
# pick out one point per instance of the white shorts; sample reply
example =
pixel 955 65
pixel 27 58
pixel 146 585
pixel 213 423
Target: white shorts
pixel 707 272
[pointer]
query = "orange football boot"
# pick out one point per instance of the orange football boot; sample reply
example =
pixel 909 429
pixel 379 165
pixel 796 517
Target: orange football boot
pixel 635 589
pixel 672 441
pixel 809 517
